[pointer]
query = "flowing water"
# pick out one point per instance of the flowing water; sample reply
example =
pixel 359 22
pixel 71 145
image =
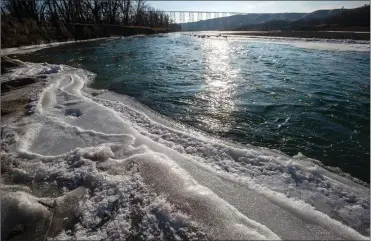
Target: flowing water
pixel 266 93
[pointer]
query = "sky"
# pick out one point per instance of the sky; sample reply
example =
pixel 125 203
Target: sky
pixel 253 6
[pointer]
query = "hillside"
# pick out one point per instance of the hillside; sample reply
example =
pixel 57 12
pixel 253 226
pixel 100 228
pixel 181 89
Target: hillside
pixel 357 19
pixel 239 21
pixel 335 20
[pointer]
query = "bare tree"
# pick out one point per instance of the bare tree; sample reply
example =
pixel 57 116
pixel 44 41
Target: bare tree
pixel 126 12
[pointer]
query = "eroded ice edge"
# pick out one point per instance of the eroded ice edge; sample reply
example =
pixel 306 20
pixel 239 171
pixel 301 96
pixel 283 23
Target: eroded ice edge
pixel 146 176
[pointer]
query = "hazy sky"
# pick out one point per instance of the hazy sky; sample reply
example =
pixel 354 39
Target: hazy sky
pixel 253 6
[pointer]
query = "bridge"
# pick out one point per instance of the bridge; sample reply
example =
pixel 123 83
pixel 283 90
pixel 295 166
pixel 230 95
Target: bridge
pixel 181 17
pixel 189 20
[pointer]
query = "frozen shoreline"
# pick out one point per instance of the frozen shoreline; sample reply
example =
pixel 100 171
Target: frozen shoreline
pixel 112 147
pixel 310 43
pixel 33 48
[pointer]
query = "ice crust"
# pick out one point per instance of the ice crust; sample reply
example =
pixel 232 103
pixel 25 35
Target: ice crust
pixel 147 177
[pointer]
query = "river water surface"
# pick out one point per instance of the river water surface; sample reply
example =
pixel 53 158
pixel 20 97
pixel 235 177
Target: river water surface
pixel 273 94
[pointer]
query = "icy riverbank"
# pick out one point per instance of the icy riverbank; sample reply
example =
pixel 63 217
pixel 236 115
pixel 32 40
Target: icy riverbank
pixel 98 165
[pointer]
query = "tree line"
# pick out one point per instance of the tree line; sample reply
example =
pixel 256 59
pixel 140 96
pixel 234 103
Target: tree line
pixel 125 12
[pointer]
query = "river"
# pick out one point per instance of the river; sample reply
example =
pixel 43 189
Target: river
pixel 307 97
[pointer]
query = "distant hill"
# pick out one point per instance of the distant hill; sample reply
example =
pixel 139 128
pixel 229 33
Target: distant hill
pixel 239 21
pixel 335 19
pixel 322 14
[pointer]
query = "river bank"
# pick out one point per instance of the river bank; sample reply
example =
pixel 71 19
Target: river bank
pixel 307 34
pixel 16 33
